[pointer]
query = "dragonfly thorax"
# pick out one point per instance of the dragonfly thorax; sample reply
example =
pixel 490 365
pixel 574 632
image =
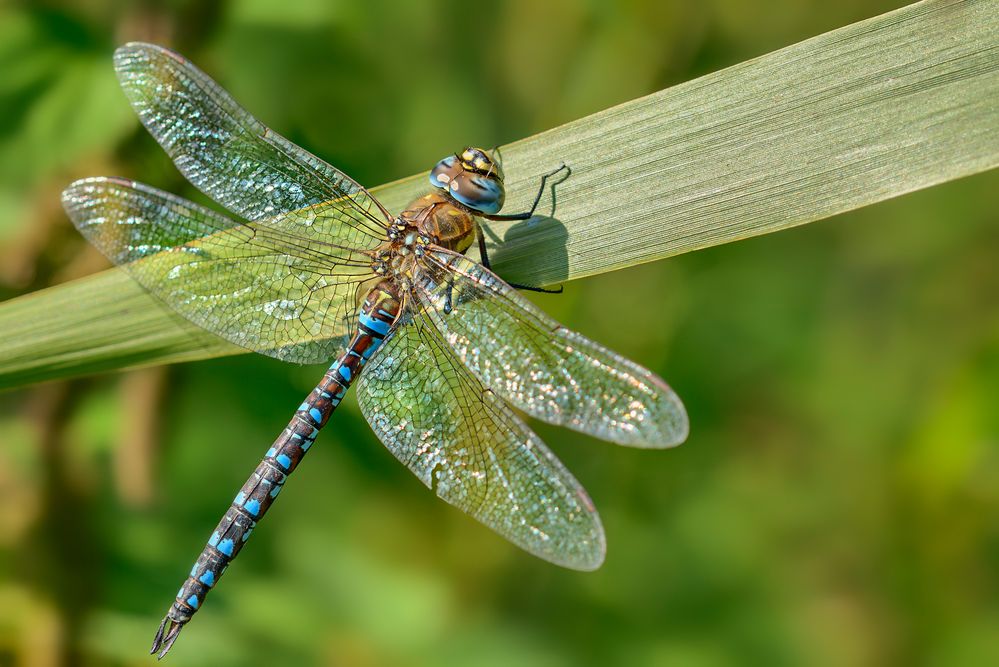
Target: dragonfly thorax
pixel 468 184
pixel 437 217
pixel 432 220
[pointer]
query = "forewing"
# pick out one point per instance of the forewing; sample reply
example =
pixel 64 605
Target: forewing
pixel 546 370
pixel 227 153
pixel 464 443
pixel 260 285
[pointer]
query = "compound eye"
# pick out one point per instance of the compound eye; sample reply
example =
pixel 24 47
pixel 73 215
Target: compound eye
pixel 444 171
pixel 479 193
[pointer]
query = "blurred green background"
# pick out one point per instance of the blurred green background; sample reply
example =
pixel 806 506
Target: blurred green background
pixel 837 502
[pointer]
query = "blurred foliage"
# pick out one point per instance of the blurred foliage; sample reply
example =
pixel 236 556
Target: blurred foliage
pixel 836 503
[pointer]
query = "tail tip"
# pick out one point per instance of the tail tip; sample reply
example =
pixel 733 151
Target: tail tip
pixel 165 637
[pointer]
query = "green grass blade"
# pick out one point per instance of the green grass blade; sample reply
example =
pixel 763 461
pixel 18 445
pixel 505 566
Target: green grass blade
pixel 100 322
pixel 868 112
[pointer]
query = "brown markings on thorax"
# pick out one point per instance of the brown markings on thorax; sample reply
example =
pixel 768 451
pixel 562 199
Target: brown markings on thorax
pixel 435 215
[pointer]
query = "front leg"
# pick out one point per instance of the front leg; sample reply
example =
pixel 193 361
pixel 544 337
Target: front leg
pixel 537 198
pixel 526 215
pixel 484 260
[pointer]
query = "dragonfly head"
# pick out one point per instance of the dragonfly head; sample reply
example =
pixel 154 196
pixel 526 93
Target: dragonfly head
pixel 473 179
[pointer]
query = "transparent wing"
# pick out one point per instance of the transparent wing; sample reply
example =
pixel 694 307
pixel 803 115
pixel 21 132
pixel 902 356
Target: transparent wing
pixel 227 153
pixel 263 285
pixel 469 447
pixel 544 369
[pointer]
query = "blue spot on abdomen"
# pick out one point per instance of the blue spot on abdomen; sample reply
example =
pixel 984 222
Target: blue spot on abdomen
pixel 378 326
pixel 226 546
pixel 375 344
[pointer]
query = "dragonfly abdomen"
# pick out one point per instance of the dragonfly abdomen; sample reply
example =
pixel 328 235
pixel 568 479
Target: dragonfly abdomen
pixel 377 316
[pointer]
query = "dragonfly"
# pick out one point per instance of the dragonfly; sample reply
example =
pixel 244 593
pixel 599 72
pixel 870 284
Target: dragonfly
pixel 309 267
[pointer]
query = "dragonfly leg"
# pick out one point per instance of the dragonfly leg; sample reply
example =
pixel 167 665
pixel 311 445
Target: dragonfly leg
pixel 448 305
pixel 484 260
pixel 543 290
pixel 526 215
pixel 537 198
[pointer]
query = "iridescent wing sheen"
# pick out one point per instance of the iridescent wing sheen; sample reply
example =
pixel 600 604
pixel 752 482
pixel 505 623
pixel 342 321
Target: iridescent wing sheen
pixel 463 442
pixel 285 286
pixel 227 153
pixel 540 367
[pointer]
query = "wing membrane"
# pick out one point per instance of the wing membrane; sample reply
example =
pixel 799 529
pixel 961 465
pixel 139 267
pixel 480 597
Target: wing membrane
pixel 224 151
pixel 263 285
pixel 464 443
pixel 544 369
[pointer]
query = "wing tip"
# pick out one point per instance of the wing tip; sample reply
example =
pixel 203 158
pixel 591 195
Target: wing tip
pixel 84 196
pixel 125 54
pixel 681 424
pixel 586 555
pixel 669 427
pixel 587 561
pixel 673 425
pixel 129 49
pixel 132 58
pixel 77 192
pixel 92 183
pixel 594 561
